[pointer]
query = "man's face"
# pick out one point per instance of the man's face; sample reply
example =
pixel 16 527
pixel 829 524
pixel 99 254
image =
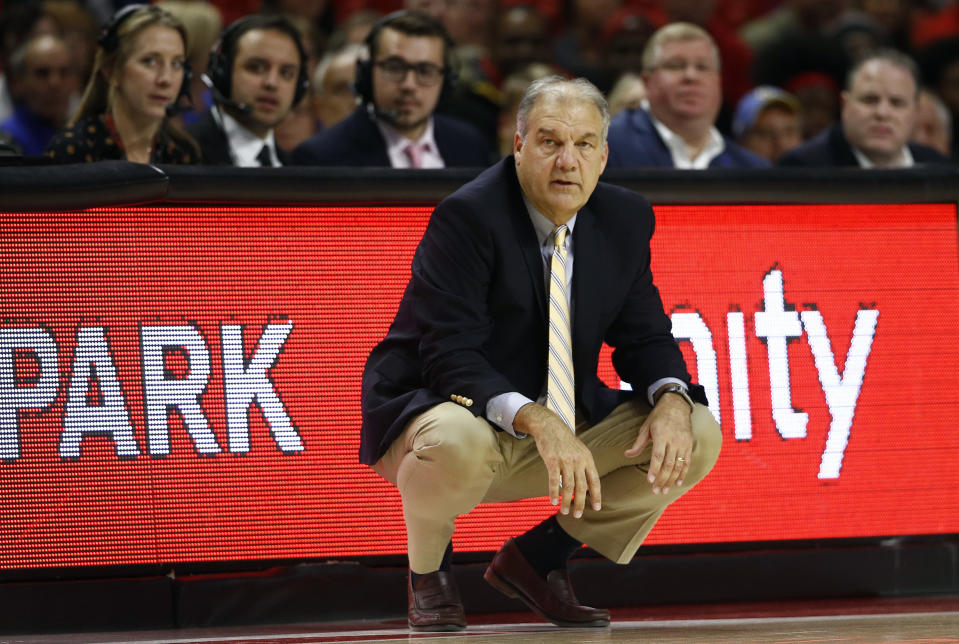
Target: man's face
pixel 931 129
pixel 406 99
pixel 335 100
pixel 776 131
pixel 49 79
pixel 265 69
pixel 684 84
pixel 879 110
pixel 521 38
pixel 562 157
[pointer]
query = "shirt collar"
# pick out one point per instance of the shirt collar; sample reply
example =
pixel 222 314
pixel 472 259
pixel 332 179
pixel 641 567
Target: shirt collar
pixel 396 142
pixel 680 152
pixel 543 226
pixel 244 144
pixel 905 158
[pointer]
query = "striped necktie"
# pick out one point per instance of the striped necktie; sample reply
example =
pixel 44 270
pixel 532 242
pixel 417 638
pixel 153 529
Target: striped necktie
pixel 560 384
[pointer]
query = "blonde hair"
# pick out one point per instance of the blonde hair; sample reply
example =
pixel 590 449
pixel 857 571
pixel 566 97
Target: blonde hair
pixel 675 31
pixel 97 97
pixel 203 23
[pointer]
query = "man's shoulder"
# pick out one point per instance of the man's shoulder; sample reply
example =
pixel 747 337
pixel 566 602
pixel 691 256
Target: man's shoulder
pixel 634 142
pixel 824 149
pixel 736 156
pixel 927 155
pixel 635 122
pixel 460 142
pixel 351 140
pixel 214 148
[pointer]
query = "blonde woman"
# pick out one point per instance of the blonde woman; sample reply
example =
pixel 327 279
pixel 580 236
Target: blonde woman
pixel 139 71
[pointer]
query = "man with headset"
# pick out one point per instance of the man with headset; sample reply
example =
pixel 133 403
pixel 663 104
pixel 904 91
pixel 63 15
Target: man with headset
pixel 257 73
pixel 407 73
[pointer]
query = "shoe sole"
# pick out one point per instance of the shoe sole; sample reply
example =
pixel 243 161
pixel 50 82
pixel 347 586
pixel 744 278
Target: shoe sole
pixel 513 592
pixel 436 628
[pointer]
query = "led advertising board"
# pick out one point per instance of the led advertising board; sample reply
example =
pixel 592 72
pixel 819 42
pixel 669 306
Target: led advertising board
pixel 182 384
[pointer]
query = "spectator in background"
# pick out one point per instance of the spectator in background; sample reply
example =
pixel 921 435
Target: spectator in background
pixel 878 116
pixel 520 38
pixel 79 29
pixel 256 75
pixel 624 39
pixel 400 85
pixel 768 121
pixel 353 30
pixel 139 71
pixel 332 96
pixel 681 69
pixel 818 95
pixel 19 22
pixel 628 93
pixel 514 88
pixel 44 81
pixel 933 123
pixel 940 67
pixel 579 49
pixel 203 25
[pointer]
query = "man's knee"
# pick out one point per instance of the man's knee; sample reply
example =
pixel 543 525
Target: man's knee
pixel 709 440
pixel 451 438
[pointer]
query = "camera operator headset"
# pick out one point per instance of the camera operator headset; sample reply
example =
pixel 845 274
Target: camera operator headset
pixel 364 67
pixel 219 75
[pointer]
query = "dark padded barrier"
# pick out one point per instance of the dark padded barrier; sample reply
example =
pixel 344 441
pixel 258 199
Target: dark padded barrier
pixel 113 183
pixel 75 187
pixel 71 606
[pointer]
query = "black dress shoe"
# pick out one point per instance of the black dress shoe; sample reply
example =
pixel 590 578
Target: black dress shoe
pixel 434 603
pixel 551 598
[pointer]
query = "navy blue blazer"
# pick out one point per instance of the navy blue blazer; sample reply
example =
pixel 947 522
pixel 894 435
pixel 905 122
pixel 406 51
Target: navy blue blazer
pixel 635 143
pixel 356 141
pixel 473 320
pixel 830 148
pixel 214 147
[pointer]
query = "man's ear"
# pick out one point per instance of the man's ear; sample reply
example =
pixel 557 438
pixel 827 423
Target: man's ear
pixel 605 156
pixel 517 145
pixel 843 98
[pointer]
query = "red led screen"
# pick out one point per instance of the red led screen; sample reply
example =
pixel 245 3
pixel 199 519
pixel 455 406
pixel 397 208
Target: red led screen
pixel 181 385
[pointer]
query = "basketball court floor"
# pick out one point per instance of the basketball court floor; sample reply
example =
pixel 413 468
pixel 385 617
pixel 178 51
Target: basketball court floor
pixel 923 620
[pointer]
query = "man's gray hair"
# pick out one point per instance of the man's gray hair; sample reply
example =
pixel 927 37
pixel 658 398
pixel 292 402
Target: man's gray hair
pixel 560 89
pixel 893 57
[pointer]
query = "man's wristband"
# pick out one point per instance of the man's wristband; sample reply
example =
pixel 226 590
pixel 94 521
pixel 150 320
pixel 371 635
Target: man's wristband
pixel 679 390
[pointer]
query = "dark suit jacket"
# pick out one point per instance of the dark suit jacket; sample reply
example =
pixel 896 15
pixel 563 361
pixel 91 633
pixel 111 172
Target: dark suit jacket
pixel 473 319
pixel 830 149
pixel 635 143
pixel 214 148
pixel 356 141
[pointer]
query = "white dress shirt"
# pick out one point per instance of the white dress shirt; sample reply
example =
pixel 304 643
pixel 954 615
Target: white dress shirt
pixel 679 151
pixel 244 145
pixel 905 159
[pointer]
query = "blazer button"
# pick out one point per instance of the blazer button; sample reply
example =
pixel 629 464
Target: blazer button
pixel 468 402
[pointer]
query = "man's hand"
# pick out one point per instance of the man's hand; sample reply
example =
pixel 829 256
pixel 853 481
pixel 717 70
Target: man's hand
pixel 568 461
pixel 669 426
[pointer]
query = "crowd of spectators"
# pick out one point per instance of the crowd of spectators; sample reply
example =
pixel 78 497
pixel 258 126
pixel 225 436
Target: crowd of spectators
pixel 747 83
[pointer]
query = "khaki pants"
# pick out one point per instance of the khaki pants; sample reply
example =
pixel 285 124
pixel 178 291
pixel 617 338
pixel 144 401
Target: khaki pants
pixel 447 461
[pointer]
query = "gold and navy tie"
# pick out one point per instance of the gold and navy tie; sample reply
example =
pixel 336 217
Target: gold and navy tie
pixel 560 384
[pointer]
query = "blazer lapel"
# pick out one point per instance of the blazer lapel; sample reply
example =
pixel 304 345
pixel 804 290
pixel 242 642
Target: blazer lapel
pixel 588 286
pixel 525 236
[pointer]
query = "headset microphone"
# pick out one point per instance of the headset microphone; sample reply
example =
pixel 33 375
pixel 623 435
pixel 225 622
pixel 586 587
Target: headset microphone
pixel 243 108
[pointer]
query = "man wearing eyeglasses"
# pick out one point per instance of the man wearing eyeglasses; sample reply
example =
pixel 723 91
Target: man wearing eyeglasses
pixel 675 127
pixel 402 82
